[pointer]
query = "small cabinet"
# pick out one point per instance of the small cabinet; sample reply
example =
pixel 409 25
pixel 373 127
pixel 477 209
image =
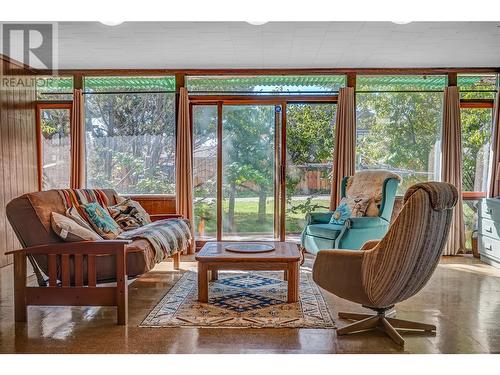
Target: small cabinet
pixel 489 231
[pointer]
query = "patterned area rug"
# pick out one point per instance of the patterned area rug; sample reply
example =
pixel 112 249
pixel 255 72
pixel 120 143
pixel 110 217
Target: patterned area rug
pixel 241 300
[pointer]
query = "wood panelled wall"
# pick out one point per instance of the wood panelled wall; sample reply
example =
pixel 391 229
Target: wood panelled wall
pixel 156 204
pixel 18 157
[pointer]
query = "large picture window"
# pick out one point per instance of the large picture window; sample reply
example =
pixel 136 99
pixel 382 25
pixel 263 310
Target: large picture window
pixel 130 134
pixel 399 124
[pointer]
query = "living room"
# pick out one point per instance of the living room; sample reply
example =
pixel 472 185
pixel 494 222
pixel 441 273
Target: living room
pixel 244 187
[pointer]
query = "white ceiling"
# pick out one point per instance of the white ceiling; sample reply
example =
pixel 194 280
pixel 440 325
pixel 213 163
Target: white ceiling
pixel 89 45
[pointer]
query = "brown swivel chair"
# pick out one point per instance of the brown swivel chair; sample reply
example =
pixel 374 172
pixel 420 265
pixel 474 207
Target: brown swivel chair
pixel 395 268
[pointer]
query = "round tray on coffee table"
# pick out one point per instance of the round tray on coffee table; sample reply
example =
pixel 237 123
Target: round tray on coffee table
pixel 249 248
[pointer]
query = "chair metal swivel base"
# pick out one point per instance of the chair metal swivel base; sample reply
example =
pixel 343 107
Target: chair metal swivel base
pixel 383 322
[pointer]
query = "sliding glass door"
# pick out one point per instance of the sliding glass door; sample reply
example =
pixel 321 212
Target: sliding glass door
pixel 235 160
pixel 248 172
pixel 260 167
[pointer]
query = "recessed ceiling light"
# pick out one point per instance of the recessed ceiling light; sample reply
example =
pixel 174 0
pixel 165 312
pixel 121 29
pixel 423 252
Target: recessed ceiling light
pixel 401 22
pixel 257 23
pixel 111 23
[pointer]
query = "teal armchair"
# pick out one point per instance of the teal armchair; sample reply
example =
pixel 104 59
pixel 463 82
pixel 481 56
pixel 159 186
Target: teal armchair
pixel 319 234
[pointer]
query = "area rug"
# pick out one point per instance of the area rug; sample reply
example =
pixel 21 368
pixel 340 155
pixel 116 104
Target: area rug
pixel 241 300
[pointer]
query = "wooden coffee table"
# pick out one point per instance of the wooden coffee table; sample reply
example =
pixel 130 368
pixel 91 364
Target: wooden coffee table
pixel 213 257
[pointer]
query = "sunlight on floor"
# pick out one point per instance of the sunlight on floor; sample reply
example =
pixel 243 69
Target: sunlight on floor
pixel 480 269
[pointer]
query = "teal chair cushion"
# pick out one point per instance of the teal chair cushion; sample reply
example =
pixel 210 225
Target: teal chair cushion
pixel 367 222
pixel 330 231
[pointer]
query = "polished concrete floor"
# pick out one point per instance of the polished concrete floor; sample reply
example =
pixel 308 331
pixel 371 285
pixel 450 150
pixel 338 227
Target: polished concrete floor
pixel 462 299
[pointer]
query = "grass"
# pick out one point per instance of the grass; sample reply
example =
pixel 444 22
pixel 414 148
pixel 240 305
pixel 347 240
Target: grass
pixel 246 217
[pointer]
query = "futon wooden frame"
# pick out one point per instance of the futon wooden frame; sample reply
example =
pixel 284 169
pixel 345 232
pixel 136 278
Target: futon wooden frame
pixel 77 290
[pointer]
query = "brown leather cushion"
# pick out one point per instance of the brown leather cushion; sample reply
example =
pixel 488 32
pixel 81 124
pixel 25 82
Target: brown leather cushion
pixel 29 216
pixel 140 259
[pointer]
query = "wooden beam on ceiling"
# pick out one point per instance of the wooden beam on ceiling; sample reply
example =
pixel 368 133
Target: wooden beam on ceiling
pixel 274 71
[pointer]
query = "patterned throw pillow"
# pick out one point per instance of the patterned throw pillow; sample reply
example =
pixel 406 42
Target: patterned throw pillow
pixel 349 207
pixel 101 221
pixel 129 214
pixel 70 231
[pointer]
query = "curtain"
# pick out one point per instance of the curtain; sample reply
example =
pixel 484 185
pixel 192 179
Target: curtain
pixel 184 164
pixel 77 141
pixel 494 190
pixel 451 168
pixel 345 143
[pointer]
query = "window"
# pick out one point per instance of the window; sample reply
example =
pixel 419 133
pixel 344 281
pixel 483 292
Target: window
pixel 310 140
pixel 54 88
pixel 398 125
pixel 476 116
pixel 476 137
pixel 205 170
pixel 311 84
pixel 477 86
pixel 54 142
pixel 130 134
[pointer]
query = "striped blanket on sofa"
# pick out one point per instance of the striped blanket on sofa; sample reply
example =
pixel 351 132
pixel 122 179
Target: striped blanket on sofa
pixel 167 237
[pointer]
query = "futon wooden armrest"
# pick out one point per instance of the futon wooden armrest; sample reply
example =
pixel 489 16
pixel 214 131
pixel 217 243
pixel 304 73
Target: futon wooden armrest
pixel 72 277
pixel 156 217
pixel 81 247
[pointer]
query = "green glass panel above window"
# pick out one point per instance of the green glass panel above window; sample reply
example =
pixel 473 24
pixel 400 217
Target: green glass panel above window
pixel 274 84
pixel 477 86
pixel 400 82
pixel 133 84
pixel 477 82
pixel 54 88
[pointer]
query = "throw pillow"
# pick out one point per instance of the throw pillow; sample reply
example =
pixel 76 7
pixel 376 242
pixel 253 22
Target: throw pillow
pixel 73 213
pixel 129 214
pixel 137 205
pixel 101 221
pixel 374 206
pixel 349 207
pixel 70 231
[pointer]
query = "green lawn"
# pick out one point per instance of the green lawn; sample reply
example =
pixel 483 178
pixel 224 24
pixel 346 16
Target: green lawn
pixel 246 218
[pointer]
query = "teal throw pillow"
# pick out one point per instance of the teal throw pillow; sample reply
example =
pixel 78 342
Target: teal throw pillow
pixel 101 220
pixel 349 207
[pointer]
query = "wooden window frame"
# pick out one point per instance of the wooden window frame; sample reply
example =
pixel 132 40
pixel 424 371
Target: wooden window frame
pixel 40 106
pixel 476 103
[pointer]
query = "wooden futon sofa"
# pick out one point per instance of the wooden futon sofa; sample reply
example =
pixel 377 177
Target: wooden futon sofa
pixel 69 273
